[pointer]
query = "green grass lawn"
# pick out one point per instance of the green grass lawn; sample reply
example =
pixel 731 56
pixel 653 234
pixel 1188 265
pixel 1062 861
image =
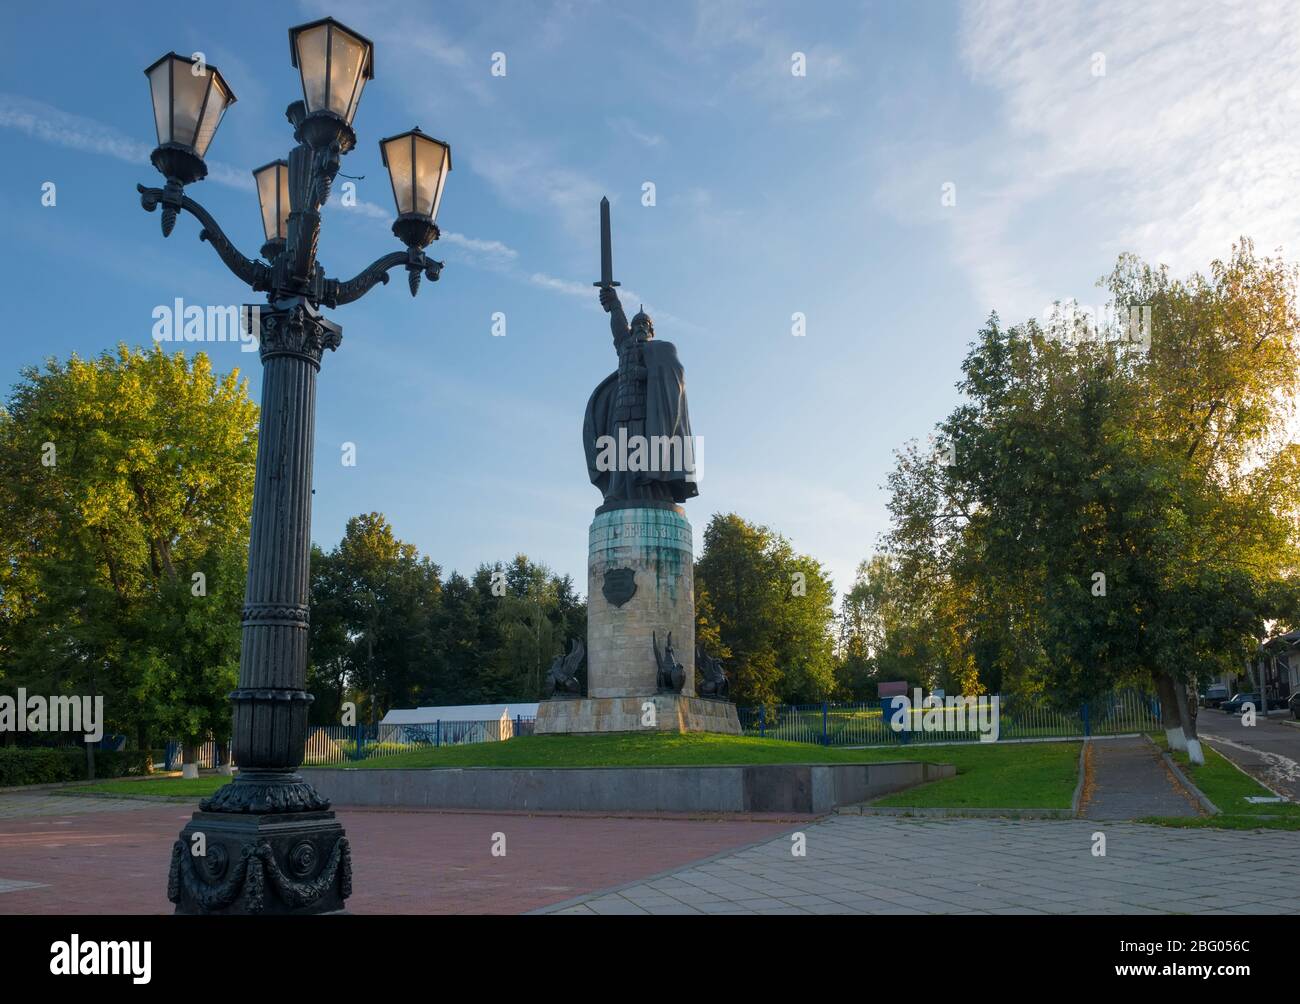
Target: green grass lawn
pixel 649 749
pixel 1227 787
pixel 995 776
pixel 178 786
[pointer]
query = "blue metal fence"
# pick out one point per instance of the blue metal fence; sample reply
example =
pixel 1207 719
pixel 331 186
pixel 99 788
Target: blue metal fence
pixel 211 754
pixel 341 743
pixel 881 723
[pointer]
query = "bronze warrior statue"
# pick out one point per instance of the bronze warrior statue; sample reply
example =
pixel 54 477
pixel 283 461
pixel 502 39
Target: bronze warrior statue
pixel 643 400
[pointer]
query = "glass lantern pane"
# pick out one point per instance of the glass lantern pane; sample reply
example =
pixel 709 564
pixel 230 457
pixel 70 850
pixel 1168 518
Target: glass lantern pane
pixel 431 156
pixel 442 181
pixel 218 100
pixel 160 87
pixel 188 91
pixel 346 56
pixel 356 98
pixel 311 65
pixel 267 198
pixel 398 154
pixel 282 176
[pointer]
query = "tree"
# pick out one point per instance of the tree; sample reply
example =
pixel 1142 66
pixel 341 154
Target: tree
pixel 878 638
pixel 1103 513
pixel 126 481
pixel 386 626
pixel 770 608
pixel 374 618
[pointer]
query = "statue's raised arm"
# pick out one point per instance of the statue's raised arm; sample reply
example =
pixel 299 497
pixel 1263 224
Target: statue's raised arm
pixel 617 318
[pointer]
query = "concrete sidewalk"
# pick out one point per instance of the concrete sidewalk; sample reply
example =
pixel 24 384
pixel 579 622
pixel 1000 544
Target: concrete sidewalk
pixel 891 865
pixel 1128 779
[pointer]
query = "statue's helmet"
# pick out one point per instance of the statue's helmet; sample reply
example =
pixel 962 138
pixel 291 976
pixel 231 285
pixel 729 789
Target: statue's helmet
pixel 641 321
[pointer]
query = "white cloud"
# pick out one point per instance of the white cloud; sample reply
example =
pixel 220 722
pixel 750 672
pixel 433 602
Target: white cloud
pixel 531 181
pixel 1187 142
pixel 626 127
pixel 53 125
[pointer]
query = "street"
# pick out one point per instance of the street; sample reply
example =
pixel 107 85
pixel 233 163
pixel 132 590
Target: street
pixel 1269 750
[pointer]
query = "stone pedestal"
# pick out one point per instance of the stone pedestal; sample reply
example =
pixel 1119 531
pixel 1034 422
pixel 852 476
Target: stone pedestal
pixel 640 582
pixel 640 589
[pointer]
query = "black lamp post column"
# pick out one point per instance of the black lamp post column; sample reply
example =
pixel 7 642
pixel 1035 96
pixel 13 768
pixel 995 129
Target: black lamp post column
pixel 267 842
pixel 270 706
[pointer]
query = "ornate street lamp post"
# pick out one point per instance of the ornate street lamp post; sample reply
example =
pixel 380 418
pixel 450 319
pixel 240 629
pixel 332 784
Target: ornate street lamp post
pixel 267 842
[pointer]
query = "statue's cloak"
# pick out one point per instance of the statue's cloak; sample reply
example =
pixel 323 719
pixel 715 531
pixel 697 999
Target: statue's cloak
pixel 666 415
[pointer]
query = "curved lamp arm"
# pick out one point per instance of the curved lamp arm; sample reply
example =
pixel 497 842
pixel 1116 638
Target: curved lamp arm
pixel 417 263
pixel 255 273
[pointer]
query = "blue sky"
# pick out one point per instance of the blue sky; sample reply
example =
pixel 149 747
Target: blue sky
pixel 775 194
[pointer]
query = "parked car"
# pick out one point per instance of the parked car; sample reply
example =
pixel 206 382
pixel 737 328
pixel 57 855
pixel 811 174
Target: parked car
pixel 1233 706
pixel 1293 702
pixel 1215 694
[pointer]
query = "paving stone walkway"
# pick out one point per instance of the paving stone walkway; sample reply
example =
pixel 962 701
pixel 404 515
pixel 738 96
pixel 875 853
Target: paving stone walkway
pixel 42 804
pixel 67 854
pixel 1128 779
pixel 879 864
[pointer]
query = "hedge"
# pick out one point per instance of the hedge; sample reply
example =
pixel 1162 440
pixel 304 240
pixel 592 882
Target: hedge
pixel 41 765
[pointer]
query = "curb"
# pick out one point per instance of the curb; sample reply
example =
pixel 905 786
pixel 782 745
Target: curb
pixel 935 813
pixel 19 789
pixel 1209 807
pixel 1078 788
pixel 121 797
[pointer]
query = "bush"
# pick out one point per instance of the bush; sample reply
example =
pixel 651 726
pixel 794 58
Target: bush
pixel 40 765
pixel 120 763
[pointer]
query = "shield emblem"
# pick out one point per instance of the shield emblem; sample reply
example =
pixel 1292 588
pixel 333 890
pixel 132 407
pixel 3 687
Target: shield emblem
pixel 619 585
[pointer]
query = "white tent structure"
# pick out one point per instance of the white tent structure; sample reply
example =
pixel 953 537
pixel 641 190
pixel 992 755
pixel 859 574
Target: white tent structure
pixel 454 724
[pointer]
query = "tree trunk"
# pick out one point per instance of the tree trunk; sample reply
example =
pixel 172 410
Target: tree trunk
pixel 1194 754
pixel 1170 711
pixel 190 758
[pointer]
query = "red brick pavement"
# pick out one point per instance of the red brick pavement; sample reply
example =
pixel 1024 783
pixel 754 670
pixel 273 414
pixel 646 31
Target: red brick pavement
pixel 403 862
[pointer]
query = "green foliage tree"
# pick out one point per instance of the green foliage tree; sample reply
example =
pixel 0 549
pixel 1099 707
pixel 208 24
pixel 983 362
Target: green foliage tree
pixel 879 638
pixel 1103 511
pixel 388 630
pixel 770 608
pixel 126 482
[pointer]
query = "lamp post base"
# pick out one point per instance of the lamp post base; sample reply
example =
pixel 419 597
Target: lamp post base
pixel 278 863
